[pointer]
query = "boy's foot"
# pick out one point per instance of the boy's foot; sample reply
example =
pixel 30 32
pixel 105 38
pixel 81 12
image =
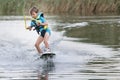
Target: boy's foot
pixel 40 54
pixel 47 50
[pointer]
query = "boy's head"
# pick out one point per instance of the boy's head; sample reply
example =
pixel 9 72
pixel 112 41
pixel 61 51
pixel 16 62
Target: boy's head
pixel 34 11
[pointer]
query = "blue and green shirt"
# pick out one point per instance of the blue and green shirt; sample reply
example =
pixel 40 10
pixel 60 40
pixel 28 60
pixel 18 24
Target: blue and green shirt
pixel 40 28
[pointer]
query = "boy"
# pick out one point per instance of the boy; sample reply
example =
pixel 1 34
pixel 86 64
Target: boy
pixel 39 24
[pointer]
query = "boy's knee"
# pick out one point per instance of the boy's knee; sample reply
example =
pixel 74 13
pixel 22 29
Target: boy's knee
pixel 36 45
pixel 45 41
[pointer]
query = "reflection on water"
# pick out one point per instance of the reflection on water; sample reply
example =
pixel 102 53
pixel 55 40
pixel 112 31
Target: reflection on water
pixel 105 34
pixel 47 66
pixel 87 48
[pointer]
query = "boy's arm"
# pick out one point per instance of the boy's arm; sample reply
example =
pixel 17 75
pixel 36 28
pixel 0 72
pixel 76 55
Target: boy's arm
pixel 44 24
pixel 39 23
pixel 31 26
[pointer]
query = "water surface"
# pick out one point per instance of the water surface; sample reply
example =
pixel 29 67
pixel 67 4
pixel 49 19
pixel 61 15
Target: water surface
pixel 86 47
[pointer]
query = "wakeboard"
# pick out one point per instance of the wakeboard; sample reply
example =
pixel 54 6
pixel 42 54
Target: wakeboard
pixel 47 55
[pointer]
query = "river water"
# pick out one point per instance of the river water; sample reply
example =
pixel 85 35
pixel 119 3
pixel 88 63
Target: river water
pixel 86 47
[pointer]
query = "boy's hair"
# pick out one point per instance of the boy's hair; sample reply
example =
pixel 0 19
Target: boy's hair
pixel 34 9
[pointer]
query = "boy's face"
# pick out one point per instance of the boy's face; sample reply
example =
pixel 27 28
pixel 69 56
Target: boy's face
pixel 34 15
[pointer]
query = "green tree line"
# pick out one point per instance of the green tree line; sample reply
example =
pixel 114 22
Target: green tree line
pixel 85 7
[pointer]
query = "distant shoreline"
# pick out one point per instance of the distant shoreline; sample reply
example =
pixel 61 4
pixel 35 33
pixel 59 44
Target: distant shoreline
pixel 78 7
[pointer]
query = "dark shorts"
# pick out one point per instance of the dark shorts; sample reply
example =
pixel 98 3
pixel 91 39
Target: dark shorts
pixel 42 33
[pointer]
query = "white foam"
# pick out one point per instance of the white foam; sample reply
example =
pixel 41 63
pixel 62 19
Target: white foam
pixel 82 24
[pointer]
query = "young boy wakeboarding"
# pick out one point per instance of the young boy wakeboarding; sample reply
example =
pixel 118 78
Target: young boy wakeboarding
pixel 39 24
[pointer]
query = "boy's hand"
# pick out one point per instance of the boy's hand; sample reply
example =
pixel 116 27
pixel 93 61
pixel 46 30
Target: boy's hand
pixel 38 23
pixel 29 28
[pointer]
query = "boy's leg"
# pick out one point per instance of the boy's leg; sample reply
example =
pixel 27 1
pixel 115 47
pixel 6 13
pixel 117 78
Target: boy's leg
pixel 38 41
pixel 46 38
